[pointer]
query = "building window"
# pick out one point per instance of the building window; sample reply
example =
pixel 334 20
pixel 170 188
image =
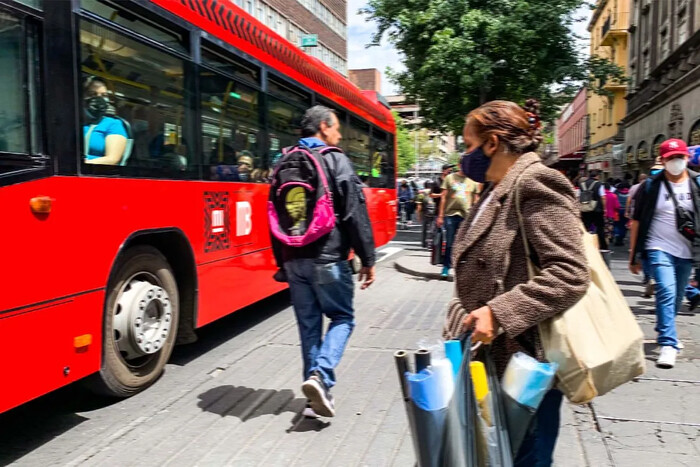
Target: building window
pixel 646 63
pixel 682 27
pixel 664 44
pixel 694 138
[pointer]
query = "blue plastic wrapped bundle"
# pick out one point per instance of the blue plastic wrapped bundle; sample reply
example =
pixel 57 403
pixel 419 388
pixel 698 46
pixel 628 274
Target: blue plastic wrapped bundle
pixel 526 380
pixel 453 352
pixel 424 389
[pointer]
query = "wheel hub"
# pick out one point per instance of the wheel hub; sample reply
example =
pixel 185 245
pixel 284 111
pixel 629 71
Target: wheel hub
pixel 142 319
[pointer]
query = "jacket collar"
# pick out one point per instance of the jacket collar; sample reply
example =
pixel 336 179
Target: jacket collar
pixel 491 210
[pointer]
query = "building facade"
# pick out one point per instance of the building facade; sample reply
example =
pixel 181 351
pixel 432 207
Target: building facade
pixel 664 68
pixel 292 19
pixel 368 79
pixel 571 133
pixel 609 39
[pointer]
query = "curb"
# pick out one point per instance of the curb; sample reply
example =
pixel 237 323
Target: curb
pixel 426 275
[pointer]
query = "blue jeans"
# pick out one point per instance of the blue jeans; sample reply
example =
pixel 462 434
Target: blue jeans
pixel 646 268
pixel 538 446
pixel 452 223
pixel 671 275
pixel 317 290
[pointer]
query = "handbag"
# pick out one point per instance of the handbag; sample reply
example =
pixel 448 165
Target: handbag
pixel 436 253
pixel 597 343
pixel 685 220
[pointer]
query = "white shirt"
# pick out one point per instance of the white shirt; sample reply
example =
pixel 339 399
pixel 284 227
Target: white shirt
pixel 663 233
pixel 483 204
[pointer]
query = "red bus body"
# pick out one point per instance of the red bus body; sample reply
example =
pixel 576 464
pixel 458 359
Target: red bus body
pixel 56 266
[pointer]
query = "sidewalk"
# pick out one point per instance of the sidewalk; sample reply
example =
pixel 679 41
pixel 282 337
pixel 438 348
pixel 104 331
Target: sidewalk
pixel 653 421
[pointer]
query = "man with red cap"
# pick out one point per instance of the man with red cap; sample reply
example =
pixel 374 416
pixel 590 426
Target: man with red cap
pixel 663 233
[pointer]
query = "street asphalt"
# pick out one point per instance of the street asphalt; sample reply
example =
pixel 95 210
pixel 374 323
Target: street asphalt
pixel 233 397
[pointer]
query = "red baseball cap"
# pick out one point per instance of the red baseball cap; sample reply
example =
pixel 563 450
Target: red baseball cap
pixel 673 147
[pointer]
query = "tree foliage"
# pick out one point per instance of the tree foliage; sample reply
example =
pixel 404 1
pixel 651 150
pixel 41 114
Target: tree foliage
pixel 406 152
pixel 461 53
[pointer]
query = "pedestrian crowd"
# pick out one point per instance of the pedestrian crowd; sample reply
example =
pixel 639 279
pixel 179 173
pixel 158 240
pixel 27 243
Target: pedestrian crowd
pixel 509 227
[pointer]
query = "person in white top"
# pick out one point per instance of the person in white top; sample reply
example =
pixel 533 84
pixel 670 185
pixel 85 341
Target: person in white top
pixel 663 233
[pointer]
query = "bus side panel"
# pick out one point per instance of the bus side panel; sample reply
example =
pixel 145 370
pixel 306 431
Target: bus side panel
pixel 38 347
pixel 226 286
pixel 382 214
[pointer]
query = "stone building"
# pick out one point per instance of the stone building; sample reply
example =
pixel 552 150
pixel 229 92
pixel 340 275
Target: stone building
pixel 664 68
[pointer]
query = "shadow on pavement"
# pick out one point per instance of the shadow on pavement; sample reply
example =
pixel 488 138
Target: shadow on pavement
pixel 29 426
pixel 214 334
pixel 247 403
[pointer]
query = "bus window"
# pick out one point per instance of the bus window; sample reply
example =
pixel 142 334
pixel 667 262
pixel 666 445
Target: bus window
pixel 358 148
pixel 289 93
pixel 125 17
pixel 133 99
pixel 20 129
pixel 284 123
pixel 231 130
pixel 382 160
pixel 231 65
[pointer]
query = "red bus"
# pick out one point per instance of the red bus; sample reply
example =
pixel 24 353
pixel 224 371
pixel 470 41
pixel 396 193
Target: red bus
pixel 119 239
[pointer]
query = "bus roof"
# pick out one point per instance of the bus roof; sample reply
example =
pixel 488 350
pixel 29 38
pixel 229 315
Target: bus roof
pixel 232 24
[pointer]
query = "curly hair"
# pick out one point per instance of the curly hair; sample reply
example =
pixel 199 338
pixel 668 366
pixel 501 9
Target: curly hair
pixel 518 128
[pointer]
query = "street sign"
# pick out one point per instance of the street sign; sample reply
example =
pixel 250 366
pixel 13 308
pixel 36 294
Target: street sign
pixel 309 40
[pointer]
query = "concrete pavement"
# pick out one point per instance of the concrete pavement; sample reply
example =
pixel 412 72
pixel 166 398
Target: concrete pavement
pixel 233 397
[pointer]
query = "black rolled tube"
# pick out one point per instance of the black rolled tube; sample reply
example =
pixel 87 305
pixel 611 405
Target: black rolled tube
pixel 401 358
pixel 422 359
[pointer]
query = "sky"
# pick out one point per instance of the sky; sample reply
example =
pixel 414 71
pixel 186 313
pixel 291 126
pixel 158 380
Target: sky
pixel 381 57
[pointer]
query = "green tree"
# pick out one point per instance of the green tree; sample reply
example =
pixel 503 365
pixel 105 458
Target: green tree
pixel 404 142
pixel 461 53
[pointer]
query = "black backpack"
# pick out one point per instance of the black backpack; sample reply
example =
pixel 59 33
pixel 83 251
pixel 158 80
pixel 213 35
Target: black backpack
pixel 300 205
pixel 588 199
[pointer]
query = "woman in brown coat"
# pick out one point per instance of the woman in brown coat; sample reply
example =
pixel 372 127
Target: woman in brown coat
pixel 495 297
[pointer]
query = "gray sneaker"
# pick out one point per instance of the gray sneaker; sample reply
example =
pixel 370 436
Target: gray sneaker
pixel 667 357
pixel 319 397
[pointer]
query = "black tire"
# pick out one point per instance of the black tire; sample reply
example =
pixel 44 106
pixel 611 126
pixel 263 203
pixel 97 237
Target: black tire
pixel 118 376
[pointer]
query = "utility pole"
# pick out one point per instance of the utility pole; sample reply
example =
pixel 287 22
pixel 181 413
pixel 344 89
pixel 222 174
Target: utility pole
pixel 415 137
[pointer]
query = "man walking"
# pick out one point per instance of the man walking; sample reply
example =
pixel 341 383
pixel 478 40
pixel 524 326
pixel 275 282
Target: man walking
pixel 593 194
pixel 663 232
pixel 459 194
pixel 319 276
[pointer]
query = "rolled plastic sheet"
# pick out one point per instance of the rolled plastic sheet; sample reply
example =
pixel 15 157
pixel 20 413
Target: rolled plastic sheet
pixel 424 389
pixel 526 380
pixel 422 359
pixel 453 351
pixel 442 368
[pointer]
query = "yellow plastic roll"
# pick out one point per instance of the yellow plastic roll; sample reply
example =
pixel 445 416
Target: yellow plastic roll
pixel 481 385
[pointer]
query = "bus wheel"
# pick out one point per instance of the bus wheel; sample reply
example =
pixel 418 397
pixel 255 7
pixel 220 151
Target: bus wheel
pixel 141 317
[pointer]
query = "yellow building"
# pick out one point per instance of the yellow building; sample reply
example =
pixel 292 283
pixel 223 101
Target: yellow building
pixel 609 38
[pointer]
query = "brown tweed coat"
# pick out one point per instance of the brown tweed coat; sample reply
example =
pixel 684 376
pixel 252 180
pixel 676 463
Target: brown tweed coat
pixel 491 266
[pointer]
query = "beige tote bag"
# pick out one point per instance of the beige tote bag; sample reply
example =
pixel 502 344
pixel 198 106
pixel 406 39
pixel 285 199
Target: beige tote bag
pixel 597 342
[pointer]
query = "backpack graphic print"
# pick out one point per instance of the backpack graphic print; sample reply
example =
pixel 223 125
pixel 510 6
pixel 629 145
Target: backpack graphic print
pixel 300 206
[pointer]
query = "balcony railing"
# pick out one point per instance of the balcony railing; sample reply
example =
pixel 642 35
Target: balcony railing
pixel 616 24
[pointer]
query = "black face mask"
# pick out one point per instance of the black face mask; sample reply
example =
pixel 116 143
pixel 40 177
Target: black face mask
pixel 96 107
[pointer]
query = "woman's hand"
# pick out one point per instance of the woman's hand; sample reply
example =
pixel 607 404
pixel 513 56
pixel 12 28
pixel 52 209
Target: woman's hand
pixel 484 324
